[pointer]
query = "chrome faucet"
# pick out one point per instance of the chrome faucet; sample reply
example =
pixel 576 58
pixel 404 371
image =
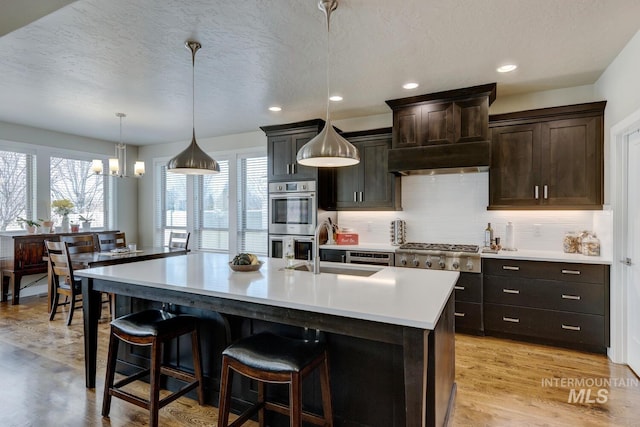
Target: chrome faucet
pixel 316 245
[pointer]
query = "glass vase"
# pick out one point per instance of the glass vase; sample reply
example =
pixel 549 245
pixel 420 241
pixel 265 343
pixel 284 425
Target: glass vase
pixel 65 223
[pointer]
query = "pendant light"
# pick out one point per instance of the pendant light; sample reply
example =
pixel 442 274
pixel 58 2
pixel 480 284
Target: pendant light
pixel 193 161
pixel 118 164
pixel 328 149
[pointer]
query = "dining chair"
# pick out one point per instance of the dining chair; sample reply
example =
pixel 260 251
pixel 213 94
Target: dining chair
pixel 63 279
pixel 179 240
pixel 109 241
pixel 79 244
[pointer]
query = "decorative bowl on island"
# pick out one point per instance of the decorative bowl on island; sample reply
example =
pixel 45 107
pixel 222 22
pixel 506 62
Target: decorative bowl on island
pixel 245 262
pixel 250 267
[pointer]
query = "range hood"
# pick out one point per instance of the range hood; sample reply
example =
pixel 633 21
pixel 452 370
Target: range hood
pixel 443 132
pixel 462 157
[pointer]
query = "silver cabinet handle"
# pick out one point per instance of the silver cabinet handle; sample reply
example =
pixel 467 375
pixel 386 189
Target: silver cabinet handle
pixel 509 267
pixel 545 192
pixel 355 197
pixel 293 168
pixel 575 272
pixel 573 297
pixel 360 193
pixel 570 328
pixel 458 314
pixel 511 291
pixel 511 319
pixel 343 258
pixel 288 168
pixel 459 288
pixel 536 192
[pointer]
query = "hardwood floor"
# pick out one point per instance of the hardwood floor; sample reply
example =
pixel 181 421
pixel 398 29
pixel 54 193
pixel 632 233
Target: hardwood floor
pixel 500 382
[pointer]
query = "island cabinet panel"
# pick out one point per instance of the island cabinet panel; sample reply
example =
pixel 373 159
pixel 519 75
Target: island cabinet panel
pixel 368 185
pixel 558 303
pixel 468 304
pixel 548 159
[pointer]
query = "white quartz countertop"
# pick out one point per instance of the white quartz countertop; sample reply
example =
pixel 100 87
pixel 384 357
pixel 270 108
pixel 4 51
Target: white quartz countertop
pixel 553 256
pixel 400 296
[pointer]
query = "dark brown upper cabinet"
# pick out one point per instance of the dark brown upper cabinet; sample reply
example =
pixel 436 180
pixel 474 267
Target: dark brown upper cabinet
pixel 549 158
pixel 448 117
pixel 368 185
pixel 283 143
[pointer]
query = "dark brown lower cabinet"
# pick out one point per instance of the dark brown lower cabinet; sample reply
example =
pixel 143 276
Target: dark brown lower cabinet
pixel 556 303
pixel 468 306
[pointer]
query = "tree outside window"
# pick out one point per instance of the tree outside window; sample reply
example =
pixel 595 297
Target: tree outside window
pixel 73 179
pixel 15 193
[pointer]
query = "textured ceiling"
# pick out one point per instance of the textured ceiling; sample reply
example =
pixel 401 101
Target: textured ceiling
pixel 74 68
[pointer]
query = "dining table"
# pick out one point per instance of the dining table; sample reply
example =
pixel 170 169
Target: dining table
pixel 99 259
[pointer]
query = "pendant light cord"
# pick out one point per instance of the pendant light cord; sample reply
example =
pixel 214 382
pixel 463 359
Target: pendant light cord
pixel 193 46
pixel 328 14
pixel 193 89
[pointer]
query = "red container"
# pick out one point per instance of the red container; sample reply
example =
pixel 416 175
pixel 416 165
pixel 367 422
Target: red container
pixel 347 239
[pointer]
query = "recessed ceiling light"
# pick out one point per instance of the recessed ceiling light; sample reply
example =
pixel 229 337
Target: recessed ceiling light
pixel 410 85
pixel 275 108
pixel 506 68
pixel 335 98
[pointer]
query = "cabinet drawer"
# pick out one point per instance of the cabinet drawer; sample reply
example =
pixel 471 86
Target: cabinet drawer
pixel 584 273
pixel 468 316
pixel 547 294
pixel 586 329
pixel 469 287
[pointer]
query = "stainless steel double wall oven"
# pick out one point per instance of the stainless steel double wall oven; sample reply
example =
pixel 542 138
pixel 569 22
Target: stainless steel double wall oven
pixel 293 215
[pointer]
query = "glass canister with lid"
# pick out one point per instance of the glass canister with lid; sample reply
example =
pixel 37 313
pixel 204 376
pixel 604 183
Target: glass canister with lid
pixel 590 245
pixel 571 243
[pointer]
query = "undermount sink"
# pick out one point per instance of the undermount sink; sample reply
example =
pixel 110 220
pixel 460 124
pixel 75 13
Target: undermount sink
pixel 350 271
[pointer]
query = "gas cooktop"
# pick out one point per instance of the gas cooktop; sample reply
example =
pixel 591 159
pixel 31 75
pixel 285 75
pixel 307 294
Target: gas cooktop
pixel 445 247
pixel 439 256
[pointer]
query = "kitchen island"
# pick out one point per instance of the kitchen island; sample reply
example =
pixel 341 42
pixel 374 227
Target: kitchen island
pixel 409 310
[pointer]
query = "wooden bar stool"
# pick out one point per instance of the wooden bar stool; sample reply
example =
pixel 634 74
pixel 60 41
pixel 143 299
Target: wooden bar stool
pixel 152 328
pixel 270 358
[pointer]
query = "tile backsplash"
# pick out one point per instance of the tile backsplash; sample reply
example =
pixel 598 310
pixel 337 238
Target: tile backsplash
pixel 453 209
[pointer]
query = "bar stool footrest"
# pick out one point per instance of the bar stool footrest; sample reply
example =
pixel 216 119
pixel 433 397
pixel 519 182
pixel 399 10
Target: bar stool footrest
pixel 131 378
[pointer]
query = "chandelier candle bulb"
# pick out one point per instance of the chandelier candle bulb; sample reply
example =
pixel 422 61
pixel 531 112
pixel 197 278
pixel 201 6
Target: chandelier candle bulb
pixel 138 168
pixel 96 166
pixel 114 167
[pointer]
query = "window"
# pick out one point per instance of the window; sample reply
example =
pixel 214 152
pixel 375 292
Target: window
pixel 253 205
pixel 213 211
pixel 172 215
pixel 73 180
pixel 225 212
pixel 17 192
